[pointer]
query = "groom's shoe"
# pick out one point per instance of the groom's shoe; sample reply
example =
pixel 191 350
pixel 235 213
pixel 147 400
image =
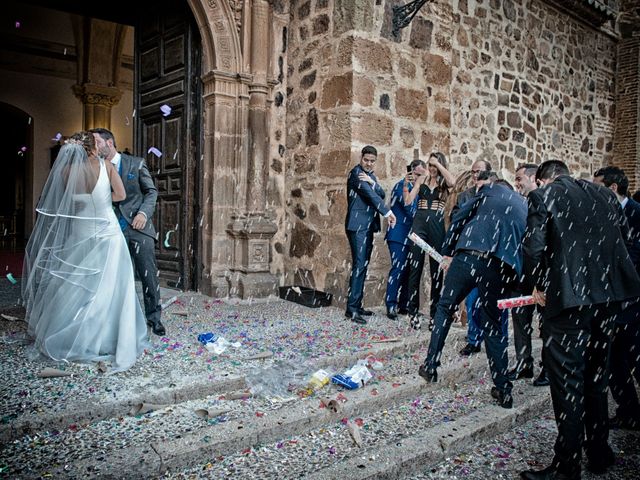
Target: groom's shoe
pixel 157 327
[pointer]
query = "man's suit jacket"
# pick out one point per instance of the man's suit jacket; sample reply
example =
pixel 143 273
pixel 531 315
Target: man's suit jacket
pixel 364 203
pixel 574 249
pixel 632 213
pixel 141 192
pixel 404 216
pixel 493 221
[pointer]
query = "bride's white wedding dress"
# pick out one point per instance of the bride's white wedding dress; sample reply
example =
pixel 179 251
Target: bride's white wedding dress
pixel 83 305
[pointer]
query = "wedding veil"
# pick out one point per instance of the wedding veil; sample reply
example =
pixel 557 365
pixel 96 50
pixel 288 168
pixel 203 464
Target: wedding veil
pixel 56 274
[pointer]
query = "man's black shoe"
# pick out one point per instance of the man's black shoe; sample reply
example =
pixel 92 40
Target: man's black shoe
pixel 549 473
pixel 605 460
pixel 469 350
pixel 392 314
pixel 429 374
pixel 505 400
pixel 358 319
pixel 623 423
pixel 519 373
pixel 414 322
pixel 542 380
pixel 157 328
pixel 365 313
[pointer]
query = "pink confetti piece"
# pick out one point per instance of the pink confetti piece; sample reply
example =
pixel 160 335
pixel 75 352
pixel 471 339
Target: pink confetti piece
pixel 155 151
pixel 23 149
pixel 57 137
pixel 166 110
pixel 17 24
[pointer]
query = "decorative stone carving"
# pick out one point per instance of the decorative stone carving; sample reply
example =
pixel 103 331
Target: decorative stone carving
pixel 97 94
pixel 236 9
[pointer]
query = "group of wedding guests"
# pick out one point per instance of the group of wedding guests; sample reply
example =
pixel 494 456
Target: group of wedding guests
pixel 93 229
pixel 574 245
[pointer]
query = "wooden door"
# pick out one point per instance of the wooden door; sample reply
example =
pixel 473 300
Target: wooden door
pixel 168 73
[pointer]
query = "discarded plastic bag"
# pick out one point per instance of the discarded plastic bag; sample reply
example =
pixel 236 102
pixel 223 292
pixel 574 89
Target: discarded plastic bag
pixel 220 345
pixel 277 380
pixel 359 373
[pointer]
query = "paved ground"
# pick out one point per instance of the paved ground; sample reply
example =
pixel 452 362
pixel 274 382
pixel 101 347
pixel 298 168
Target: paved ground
pixel 84 425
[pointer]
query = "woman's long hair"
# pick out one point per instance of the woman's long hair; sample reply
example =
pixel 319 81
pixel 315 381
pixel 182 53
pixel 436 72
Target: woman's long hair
pixel 464 182
pixel 443 189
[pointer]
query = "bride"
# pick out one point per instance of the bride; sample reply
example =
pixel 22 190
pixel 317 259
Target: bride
pixel 79 290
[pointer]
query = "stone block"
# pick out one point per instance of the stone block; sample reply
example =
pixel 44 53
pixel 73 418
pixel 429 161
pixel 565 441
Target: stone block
pixel 372 129
pixel 304 241
pixel 387 23
pixel 352 15
pixel 308 80
pixel 530 130
pixel 436 69
pixel 406 68
pixel 363 91
pixel 372 56
pixel 411 103
pixel 313 133
pixel 345 52
pixel 338 91
pixel 434 142
pixel 334 164
pixel 421 30
pixel 320 24
pixel 514 120
pixel 408 137
pixel 442 116
pixel 302 164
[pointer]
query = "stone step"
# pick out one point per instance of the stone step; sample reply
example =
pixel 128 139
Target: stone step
pixel 111 455
pixel 197 387
pixel 430 446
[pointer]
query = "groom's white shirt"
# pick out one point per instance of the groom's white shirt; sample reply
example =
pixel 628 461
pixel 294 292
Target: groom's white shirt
pixel 117 158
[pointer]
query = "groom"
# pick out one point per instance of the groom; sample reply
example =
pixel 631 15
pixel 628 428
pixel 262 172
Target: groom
pixel 134 215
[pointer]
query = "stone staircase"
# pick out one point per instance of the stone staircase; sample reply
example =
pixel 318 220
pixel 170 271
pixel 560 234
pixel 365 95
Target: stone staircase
pixel 393 427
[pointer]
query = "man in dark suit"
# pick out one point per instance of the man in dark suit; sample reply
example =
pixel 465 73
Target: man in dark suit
pixel 397 296
pixel 576 262
pixel 474 332
pixel 134 215
pixel 525 183
pixel 625 346
pixel 484 240
pixel 365 201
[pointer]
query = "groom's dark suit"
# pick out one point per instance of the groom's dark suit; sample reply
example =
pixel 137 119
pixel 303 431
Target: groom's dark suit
pixel 141 198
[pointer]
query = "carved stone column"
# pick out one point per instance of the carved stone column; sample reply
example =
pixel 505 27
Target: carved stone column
pixel 224 178
pixel 97 101
pixel 251 228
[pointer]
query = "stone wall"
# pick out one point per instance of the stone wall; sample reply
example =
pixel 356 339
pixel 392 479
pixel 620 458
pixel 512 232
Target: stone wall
pixel 530 84
pixel 504 80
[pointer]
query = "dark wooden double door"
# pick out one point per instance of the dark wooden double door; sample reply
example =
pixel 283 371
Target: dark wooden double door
pixel 168 57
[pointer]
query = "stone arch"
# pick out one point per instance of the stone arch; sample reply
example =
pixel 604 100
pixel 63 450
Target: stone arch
pixel 220 40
